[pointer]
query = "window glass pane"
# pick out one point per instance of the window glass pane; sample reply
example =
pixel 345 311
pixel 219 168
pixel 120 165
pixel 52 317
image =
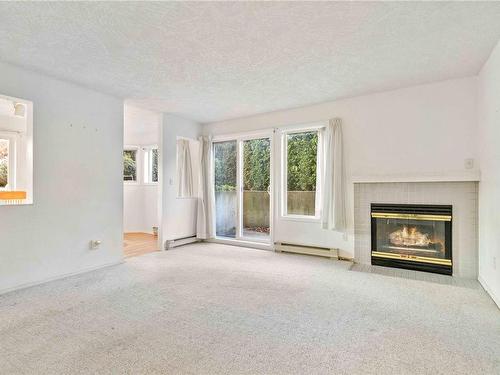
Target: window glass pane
pixel 302 151
pixel 130 165
pixel 225 158
pixel 256 193
pixel 4 162
pixel 154 165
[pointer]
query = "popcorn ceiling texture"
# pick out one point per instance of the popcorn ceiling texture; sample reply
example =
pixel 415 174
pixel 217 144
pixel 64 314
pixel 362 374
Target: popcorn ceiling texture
pixel 214 61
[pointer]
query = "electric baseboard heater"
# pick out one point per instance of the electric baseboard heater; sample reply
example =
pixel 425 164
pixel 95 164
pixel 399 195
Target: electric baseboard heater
pixel 170 244
pixel 307 250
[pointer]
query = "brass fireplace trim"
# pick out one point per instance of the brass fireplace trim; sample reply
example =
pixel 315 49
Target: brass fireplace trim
pixel 413 258
pixel 388 215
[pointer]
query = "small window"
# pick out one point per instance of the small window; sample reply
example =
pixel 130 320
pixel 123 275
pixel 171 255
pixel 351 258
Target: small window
pixel 300 196
pixel 5 163
pixel 16 151
pixel 150 165
pixel 130 165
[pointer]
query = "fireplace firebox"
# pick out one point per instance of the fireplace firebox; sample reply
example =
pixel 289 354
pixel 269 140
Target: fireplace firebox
pixel 416 237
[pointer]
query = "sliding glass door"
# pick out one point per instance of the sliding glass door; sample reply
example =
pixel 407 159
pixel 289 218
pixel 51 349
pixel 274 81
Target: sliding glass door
pixel 243 185
pixel 226 188
pixel 256 183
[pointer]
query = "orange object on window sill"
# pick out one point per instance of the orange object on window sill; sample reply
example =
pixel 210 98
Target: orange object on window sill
pixel 12 195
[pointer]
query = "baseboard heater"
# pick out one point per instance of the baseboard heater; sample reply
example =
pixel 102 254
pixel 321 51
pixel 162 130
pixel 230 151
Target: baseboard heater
pixel 170 244
pixel 284 247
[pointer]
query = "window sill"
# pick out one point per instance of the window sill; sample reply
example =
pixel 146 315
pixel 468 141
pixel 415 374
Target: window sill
pixel 304 219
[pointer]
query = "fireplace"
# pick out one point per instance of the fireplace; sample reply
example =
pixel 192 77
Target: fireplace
pixel 416 237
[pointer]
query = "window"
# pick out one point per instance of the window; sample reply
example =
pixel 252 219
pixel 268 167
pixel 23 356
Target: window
pixel 300 173
pixel 150 165
pixel 16 151
pixel 130 165
pixel 225 179
pixel 8 156
pixel 5 163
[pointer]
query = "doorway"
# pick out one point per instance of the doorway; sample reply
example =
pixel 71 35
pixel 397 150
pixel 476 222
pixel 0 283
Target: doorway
pixel 243 188
pixel 141 181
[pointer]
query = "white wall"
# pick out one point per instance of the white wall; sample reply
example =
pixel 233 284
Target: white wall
pixel 489 187
pixel 422 130
pixel 179 215
pixel 78 140
pixel 140 201
pixel 140 208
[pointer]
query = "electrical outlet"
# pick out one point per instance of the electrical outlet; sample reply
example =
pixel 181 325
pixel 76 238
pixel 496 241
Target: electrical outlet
pixel 469 163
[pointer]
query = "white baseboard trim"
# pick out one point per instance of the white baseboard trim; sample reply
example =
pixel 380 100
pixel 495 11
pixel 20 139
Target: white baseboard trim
pixel 488 290
pixel 253 245
pixel 58 277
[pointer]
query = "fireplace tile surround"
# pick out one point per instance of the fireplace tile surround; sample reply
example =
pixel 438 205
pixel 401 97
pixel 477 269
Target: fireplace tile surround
pixel 463 196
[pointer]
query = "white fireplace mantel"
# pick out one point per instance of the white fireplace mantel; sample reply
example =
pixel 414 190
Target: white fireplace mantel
pixel 459 176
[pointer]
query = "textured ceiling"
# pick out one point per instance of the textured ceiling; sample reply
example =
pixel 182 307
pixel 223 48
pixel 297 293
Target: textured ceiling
pixel 213 61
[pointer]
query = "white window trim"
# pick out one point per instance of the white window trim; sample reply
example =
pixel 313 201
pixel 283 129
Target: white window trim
pixel 146 164
pixel 137 164
pixel 264 133
pixel 284 173
pixel 13 138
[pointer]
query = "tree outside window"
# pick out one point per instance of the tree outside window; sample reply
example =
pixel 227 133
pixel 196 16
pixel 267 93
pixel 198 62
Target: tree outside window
pixel 130 165
pixel 301 173
pixel 4 163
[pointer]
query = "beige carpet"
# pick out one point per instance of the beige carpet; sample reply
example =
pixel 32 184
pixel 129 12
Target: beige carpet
pixel 213 309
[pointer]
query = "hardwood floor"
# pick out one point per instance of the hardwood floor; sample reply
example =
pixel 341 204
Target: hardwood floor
pixel 135 244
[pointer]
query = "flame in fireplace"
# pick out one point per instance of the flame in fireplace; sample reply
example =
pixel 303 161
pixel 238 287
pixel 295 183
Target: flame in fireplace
pixel 409 236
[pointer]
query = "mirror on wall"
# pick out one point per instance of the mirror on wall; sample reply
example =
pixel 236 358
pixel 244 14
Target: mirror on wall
pixel 16 151
pixel 187 167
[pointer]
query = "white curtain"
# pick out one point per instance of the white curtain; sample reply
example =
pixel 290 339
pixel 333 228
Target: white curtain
pixel 206 199
pixel 333 215
pixel 184 170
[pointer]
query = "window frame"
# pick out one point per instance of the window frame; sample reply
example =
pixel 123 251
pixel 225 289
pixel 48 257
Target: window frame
pixel 137 165
pixel 284 173
pixel 239 138
pixel 12 137
pixel 147 164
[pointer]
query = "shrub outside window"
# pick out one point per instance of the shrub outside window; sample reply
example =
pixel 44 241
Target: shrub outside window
pixel 5 157
pixel 130 165
pixel 301 174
